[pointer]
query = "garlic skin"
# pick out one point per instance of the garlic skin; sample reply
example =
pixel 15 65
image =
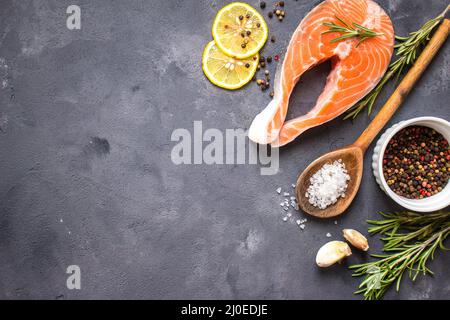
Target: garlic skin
pixel 356 239
pixel 331 253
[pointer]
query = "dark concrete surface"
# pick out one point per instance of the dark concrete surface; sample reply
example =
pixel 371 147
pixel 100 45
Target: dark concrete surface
pixel 86 177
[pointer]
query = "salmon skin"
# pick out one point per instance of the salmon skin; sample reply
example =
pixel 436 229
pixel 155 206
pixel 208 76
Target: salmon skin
pixel 356 69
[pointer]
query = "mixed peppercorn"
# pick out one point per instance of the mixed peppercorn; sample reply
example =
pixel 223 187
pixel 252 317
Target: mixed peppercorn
pixel 416 163
pixel 280 13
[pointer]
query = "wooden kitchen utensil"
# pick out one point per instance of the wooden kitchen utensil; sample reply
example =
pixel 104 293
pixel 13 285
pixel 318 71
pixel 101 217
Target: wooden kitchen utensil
pixel 353 155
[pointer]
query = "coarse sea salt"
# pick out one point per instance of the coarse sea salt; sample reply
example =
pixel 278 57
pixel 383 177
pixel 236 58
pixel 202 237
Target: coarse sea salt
pixel 328 185
pixel 290 202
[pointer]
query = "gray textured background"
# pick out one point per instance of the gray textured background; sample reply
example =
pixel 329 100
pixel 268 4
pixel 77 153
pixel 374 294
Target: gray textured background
pixel 86 177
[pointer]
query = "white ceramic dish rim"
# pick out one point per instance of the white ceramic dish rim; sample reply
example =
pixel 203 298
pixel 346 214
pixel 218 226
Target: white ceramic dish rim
pixel 434 203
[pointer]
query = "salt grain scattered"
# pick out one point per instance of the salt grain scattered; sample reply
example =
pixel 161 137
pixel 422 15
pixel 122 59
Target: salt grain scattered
pixel 328 185
pixel 288 205
pixel 328 235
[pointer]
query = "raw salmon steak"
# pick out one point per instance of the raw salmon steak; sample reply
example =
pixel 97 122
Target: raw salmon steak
pixel 357 67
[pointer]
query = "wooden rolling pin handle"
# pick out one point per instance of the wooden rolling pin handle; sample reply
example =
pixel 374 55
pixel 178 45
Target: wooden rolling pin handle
pixel 405 86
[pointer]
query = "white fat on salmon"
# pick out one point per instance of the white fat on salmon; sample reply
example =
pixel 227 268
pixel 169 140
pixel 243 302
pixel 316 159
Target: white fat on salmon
pixel 343 49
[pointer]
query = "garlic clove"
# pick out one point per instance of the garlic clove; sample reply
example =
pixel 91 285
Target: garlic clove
pixel 356 239
pixel 331 253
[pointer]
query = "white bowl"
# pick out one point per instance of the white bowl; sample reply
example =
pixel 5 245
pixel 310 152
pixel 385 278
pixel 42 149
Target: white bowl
pixel 433 203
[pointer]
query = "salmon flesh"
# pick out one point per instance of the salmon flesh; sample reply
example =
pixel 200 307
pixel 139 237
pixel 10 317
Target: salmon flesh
pixel 357 67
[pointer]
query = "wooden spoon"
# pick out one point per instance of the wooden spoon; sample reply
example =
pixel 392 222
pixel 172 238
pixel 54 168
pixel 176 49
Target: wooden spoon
pixel 353 155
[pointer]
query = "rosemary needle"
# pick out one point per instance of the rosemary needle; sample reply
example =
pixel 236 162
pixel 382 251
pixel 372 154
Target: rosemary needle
pixel 407 52
pixel 353 31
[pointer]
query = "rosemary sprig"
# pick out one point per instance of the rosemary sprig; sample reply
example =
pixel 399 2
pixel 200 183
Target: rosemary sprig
pixel 407 53
pixel 404 252
pixel 353 31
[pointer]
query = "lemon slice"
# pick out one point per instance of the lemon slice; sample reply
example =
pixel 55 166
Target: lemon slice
pixel 239 30
pixel 227 72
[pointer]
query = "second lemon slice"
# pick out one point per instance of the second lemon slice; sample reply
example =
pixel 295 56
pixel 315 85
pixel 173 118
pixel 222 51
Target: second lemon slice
pixel 227 72
pixel 239 30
